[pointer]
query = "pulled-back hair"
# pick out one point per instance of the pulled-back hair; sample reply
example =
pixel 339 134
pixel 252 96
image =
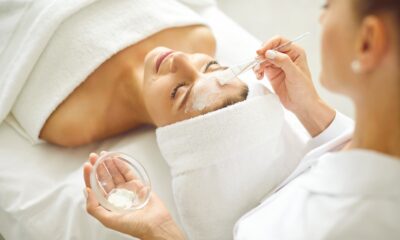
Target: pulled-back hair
pixel 366 7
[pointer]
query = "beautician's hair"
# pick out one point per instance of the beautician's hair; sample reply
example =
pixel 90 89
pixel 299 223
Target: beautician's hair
pixel 366 7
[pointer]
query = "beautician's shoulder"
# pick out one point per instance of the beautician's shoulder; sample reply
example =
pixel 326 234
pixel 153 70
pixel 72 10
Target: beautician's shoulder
pixel 370 218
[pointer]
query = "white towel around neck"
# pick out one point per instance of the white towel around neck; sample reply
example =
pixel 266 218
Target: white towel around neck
pixel 57 44
pixel 223 163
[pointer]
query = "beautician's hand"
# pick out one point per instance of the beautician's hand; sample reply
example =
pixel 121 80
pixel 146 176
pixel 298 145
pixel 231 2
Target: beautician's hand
pixel 152 222
pixel 290 77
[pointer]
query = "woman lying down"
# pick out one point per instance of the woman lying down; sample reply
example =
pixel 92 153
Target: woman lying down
pixel 158 87
pixel 112 76
pixel 145 84
pixel 163 87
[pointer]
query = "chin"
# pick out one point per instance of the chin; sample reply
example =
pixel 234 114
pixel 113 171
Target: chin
pixel 329 84
pixel 325 82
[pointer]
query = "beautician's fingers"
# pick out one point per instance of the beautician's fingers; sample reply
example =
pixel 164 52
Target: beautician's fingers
pixel 259 69
pixel 87 168
pixel 114 171
pixel 278 42
pixel 293 51
pixel 274 42
pixel 282 61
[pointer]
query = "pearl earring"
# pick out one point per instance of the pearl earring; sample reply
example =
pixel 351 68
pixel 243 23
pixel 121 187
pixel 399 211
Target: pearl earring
pixel 356 66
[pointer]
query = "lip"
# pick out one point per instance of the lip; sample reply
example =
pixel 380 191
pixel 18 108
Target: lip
pixel 161 59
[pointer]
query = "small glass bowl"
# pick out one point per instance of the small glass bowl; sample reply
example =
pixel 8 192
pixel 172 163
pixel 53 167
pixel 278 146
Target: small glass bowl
pixel 120 183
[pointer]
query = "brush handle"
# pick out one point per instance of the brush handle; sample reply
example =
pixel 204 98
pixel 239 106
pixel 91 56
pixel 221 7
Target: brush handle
pixel 242 68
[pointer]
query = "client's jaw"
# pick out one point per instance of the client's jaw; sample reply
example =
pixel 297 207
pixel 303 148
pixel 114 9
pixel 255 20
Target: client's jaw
pixel 179 86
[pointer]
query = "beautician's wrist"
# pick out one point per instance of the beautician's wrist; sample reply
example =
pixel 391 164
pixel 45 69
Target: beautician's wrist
pixel 166 231
pixel 316 117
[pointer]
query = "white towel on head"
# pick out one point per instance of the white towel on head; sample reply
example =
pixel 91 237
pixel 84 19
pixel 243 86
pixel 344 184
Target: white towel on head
pixel 256 88
pixel 56 44
pixel 223 163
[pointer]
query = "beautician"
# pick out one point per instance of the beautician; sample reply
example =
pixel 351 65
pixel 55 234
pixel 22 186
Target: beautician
pixel 347 186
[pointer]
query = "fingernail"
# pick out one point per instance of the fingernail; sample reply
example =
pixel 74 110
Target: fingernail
pixel 103 152
pixel 271 54
pixel 92 155
pixel 257 67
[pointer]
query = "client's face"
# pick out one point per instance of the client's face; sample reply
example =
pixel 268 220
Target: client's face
pixel 178 86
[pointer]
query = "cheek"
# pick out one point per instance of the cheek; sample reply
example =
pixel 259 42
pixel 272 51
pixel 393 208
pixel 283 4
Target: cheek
pixel 156 102
pixel 335 56
pixel 157 99
pixel 328 53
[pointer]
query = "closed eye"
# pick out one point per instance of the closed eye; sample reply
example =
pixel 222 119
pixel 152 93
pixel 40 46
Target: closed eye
pixel 209 64
pixel 213 63
pixel 175 90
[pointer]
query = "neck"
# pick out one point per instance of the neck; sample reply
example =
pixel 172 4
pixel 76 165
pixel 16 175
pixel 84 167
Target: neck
pixel 378 119
pixel 131 91
pixel 133 86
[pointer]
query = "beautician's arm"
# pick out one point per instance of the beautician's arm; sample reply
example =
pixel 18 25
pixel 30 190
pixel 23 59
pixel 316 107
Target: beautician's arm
pixel 152 222
pixel 290 77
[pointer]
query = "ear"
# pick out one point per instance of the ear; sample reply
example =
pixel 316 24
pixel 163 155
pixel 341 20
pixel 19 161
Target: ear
pixel 372 44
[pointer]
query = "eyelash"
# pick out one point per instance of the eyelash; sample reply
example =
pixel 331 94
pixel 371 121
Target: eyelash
pixel 175 90
pixel 209 65
pixel 325 5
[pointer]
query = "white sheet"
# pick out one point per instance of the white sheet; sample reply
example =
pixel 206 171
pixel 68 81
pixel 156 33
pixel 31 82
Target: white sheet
pixel 41 186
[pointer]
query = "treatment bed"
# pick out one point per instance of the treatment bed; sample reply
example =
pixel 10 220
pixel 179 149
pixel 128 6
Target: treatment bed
pixel 41 186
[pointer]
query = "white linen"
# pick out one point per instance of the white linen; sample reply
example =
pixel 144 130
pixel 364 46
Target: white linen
pixel 199 4
pixel 334 195
pixel 67 42
pixel 223 163
pixel 41 186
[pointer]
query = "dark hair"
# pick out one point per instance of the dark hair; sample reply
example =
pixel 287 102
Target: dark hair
pixel 366 7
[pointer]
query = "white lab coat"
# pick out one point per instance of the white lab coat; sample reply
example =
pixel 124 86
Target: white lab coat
pixel 331 195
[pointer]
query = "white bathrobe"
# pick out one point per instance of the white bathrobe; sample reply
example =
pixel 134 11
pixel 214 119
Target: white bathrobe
pixel 332 194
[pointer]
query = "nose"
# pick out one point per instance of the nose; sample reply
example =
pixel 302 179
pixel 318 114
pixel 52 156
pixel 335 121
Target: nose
pixel 183 66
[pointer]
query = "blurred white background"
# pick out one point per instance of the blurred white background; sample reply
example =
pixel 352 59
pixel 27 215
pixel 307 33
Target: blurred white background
pixel 290 18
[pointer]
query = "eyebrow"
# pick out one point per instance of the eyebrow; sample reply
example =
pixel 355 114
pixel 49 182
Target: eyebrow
pixel 209 64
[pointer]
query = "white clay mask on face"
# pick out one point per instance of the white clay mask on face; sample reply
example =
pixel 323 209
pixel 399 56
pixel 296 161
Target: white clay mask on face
pixel 225 76
pixel 204 94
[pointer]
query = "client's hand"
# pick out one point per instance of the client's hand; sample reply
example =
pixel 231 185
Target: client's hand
pixel 151 222
pixel 289 74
